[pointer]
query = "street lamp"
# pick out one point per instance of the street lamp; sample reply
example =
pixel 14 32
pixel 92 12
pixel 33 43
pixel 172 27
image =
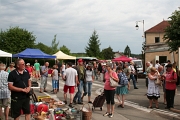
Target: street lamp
pixel 144 42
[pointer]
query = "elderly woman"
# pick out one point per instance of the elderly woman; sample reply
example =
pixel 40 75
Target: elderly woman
pixel 108 90
pixel 153 89
pixel 170 79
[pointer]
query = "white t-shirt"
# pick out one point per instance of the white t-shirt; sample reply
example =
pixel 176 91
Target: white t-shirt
pixel 89 75
pixel 63 68
pixel 55 75
pixel 70 74
pixel 157 65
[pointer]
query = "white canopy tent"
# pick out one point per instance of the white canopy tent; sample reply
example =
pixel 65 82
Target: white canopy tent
pixel 5 54
pixel 63 56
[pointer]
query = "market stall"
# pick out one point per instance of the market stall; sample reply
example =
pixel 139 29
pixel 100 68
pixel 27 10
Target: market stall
pixel 47 108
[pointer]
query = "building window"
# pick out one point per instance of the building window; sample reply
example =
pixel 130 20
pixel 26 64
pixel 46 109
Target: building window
pixel 157 40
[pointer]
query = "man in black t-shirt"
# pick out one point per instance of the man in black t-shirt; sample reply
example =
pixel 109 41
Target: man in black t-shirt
pixel 19 83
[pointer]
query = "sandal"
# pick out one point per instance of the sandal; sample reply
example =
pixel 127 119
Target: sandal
pixel 150 107
pixel 121 106
pixel 157 107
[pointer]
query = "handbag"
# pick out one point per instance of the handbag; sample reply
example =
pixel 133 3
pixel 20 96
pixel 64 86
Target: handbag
pixel 31 92
pixel 113 83
pixel 157 81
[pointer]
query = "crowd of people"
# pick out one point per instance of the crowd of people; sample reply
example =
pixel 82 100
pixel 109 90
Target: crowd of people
pixel 15 83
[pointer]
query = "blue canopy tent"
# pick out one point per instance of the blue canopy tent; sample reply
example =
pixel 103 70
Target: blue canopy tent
pixel 33 53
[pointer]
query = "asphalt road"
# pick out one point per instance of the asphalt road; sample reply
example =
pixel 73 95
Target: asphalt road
pixel 135 105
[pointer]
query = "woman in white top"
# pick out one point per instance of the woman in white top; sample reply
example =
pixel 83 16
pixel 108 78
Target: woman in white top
pixel 89 80
pixel 153 89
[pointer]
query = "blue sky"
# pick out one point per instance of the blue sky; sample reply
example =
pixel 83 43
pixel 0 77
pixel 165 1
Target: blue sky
pixel 74 20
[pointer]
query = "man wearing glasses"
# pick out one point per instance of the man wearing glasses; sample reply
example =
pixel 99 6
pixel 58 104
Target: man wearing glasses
pixel 19 83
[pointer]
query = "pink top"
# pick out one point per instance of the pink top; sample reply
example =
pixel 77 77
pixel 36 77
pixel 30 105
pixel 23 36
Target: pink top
pixel 107 80
pixel 170 76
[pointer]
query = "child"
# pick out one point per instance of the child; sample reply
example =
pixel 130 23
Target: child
pixel 55 79
pixel 121 90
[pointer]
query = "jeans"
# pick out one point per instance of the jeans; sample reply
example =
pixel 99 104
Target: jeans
pixel 79 92
pixel 55 84
pixel 170 98
pixel 43 82
pixel 133 79
pixel 89 87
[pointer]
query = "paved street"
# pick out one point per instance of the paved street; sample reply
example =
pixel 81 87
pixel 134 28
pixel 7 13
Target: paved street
pixel 135 105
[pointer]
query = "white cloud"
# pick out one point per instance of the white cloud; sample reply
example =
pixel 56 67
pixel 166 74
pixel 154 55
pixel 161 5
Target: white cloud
pixel 74 21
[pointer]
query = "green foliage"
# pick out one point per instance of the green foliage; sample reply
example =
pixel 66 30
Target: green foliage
pixel 65 50
pixel 15 40
pixel 127 51
pixel 54 45
pixel 107 53
pixel 79 54
pixel 172 32
pixel 43 47
pixel 92 49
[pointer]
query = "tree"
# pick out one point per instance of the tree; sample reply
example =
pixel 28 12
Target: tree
pixel 127 51
pixel 43 47
pixel 15 40
pixel 93 50
pixel 65 50
pixel 172 32
pixel 54 45
pixel 107 53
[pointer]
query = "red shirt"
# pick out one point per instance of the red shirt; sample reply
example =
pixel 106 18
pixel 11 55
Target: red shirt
pixel 107 80
pixel 29 69
pixel 171 76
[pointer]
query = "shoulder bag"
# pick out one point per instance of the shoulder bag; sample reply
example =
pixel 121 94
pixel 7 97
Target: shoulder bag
pixel 113 83
pixel 157 81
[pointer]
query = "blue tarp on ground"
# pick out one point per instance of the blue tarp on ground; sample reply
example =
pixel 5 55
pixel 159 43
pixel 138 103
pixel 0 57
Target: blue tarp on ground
pixel 32 53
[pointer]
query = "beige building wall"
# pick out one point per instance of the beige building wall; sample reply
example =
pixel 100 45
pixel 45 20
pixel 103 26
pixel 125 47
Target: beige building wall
pixel 152 56
pixel 150 37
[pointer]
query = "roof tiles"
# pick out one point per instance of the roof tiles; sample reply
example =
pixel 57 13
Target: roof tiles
pixel 159 28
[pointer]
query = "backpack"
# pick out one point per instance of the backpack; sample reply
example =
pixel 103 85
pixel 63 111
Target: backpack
pixel 123 80
pixel 178 80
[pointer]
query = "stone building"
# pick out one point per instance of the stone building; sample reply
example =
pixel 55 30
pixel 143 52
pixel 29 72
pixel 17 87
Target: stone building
pixel 156 49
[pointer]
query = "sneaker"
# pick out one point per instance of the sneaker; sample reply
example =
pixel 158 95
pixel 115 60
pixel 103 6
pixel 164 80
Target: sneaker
pixel 81 103
pixel 70 105
pixel 135 88
pixel 106 114
pixel 110 115
pixel 74 101
pixel 65 102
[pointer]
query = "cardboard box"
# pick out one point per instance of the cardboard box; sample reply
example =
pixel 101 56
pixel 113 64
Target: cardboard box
pixel 41 97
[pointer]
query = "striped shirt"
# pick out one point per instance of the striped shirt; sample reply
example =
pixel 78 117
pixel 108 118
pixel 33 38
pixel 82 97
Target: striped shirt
pixel 4 91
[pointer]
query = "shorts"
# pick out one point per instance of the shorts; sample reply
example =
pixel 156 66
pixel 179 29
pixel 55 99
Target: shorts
pixel 18 105
pixel 37 73
pixel 4 102
pixel 71 89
